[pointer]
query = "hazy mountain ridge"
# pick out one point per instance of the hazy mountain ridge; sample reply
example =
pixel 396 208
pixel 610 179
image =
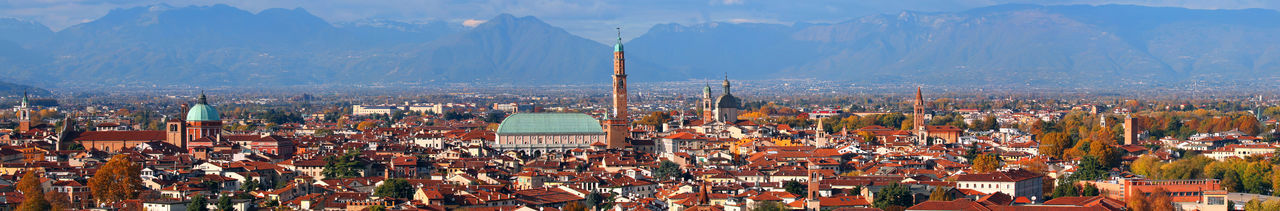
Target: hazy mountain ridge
pixel 1064 46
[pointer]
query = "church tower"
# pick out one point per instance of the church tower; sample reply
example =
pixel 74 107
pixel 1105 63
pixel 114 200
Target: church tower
pixel 24 114
pixel 917 119
pixel 619 121
pixel 811 200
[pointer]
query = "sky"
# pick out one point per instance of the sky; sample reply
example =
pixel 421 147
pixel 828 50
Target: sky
pixel 592 19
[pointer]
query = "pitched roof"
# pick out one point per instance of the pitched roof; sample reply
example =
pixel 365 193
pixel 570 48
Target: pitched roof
pixel 549 123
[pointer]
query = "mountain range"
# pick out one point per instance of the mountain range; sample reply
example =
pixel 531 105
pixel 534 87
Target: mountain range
pixel 1061 46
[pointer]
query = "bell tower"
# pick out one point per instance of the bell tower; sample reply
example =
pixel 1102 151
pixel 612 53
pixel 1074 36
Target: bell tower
pixel 24 114
pixel 619 121
pixel 917 119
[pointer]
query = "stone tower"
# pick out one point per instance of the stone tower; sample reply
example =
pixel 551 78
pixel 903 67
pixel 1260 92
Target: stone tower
pixel 917 119
pixel 619 121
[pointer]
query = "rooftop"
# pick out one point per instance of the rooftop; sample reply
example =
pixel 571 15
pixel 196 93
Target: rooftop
pixel 550 124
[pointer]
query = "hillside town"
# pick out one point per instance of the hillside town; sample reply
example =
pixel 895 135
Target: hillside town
pixel 720 152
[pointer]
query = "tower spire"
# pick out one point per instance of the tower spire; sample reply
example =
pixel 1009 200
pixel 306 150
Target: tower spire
pixel 726 83
pixel 203 99
pixel 24 98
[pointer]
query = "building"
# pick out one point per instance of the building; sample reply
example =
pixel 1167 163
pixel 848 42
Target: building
pixel 619 121
pixel 1016 183
pixel 24 114
pixel 722 109
pixel 202 121
pixel 548 132
pixel 949 134
pixel 917 118
pixel 360 110
pixel 1130 131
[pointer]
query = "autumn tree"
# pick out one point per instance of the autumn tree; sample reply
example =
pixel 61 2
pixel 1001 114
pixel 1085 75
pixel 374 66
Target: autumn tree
pixel 1053 144
pixel 1248 125
pixel 657 118
pixel 34 200
pixel 1160 200
pixel 939 194
pixel 986 163
pixel 1146 165
pixel 117 180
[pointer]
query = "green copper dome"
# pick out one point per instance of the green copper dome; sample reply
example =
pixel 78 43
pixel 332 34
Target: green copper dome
pixel 618 47
pixel 203 112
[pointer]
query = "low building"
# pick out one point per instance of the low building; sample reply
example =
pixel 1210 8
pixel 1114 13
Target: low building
pixel 548 132
pixel 1016 183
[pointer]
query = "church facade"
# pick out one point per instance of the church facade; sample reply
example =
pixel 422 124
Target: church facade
pixel 202 123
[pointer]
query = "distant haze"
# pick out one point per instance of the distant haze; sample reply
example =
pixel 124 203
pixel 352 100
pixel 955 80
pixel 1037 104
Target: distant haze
pixel 1054 46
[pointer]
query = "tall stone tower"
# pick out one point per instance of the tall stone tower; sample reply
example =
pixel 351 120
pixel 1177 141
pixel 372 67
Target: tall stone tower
pixel 618 123
pixel 24 114
pixel 917 119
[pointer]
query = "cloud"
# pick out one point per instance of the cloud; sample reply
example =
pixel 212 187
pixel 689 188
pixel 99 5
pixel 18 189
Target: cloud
pixel 731 2
pixel 472 23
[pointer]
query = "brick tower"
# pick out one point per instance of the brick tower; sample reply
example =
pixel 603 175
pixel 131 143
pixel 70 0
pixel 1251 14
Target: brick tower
pixel 917 119
pixel 619 121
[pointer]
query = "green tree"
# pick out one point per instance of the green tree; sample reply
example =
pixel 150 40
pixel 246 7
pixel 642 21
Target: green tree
pixel 1066 188
pixel 251 185
pixel 1090 190
pixel 224 204
pixel 1231 182
pixel 1089 169
pixel 795 187
pixel 395 188
pixel 377 208
pixel 198 203
pixel 345 166
pixel 894 196
pixel 667 170
pixel 32 193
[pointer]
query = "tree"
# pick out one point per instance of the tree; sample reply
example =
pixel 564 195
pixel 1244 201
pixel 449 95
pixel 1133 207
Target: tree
pixel 667 170
pixel 1146 165
pixel 377 208
pixel 224 204
pixel 1160 200
pixel 1105 153
pixel 986 163
pixel 251 185
pixel 1090 190
pixel 117 180
pixel 939 194
pixel 1231 182
pixel 1089 169
pixel 768 206
pixel 657 118
pixel 366 125
pixel 198 203
pixel 346 166
pixel 895 195
pixel 34 200
pixel 574 206
pixel 795 187
pixel 1066 188
pixel 1052 144
pixel 394 188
